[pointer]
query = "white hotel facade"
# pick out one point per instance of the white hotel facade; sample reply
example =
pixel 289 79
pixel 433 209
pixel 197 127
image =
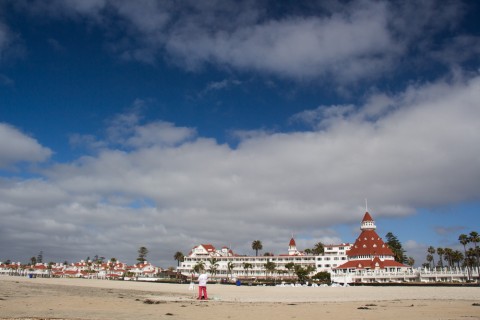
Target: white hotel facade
pixel 335 255
pixel 367 260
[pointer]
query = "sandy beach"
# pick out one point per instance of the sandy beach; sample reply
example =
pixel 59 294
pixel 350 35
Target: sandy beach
pixel 24 298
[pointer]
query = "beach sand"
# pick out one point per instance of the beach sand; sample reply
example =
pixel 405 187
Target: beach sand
pixel 38 298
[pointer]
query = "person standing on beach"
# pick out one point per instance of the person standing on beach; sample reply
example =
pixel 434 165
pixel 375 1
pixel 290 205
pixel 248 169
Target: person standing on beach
pixel 202 286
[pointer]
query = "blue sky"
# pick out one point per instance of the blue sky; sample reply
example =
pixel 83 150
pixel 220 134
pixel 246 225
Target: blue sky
pixel 127 124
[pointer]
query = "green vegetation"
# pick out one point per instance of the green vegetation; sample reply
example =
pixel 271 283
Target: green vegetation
pixel 323 277
pixel 270 268
pixel 451 258
pixel 257 245
pixel 396 246
pixel 142 254
pixel 179 256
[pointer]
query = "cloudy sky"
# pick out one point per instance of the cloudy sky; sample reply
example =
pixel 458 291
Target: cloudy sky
pixel 165 125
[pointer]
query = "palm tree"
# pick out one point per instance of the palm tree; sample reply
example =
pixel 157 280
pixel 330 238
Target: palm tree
pixel 230 266
pixel 441 252
pixel 247 266
pixel 179 257
pixel 448 255
pixel 457 257
pixel 475 238
pixel 464 240
pixel 429 260
pixel 213 266
pixel 318 249
pixel 290 267
pixel 431 251
pixel 269 267
pixel 199 266
pixel 470 258
pixel 257 245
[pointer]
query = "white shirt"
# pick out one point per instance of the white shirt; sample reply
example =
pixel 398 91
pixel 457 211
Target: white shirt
pixel 202 280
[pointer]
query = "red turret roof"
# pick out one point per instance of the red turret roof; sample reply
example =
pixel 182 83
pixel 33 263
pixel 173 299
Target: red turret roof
pixel 369 243
pixel 367 217
pixel 292 243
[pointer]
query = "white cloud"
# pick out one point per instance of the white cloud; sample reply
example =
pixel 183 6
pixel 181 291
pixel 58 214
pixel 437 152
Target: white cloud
pixel 340 43
pixel 345 45
pixel 159 133
pixel 125 130
pixel 170 196
pixel 16 147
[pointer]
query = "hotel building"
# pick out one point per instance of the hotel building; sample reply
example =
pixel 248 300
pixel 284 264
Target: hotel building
pixel 248 267
pixel 346 262
pixel 368 260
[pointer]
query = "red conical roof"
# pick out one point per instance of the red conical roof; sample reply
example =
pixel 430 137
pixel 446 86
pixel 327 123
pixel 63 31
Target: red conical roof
pixel 367 217
pixel 292 243
pixel 369 243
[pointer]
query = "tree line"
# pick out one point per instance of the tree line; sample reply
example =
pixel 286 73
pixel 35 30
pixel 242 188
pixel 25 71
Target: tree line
pixel 142 257
pixel 451 258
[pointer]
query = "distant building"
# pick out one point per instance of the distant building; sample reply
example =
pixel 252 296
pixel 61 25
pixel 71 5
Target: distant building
pixel 370 256
pixel 369 252
pixel 367 260
pixel 248 267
